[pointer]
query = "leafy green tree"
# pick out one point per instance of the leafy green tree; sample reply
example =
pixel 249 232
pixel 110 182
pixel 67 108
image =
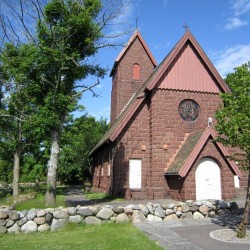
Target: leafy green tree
pixel 78 138
pixel 233 125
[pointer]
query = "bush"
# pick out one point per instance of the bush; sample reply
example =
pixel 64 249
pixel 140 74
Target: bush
pixel 5 189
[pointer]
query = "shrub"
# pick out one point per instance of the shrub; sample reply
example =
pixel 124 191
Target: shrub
pixel 5 189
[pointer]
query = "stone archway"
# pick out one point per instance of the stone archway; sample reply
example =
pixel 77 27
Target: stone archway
pixel 208 180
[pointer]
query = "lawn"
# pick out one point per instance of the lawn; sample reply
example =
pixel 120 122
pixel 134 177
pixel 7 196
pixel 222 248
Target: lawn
pixel 106 236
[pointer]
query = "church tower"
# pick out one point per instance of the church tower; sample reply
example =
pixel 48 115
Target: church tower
pixel 131 69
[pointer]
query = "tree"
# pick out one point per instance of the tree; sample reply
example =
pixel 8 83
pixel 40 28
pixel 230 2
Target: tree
pixel 68 34
pixel 78 139
pixel 233 125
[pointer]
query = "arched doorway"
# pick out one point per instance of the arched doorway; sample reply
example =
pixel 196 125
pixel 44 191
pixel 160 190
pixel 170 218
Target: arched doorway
pixel 208 180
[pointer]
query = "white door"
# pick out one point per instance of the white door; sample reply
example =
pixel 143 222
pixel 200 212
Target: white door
pixel 208 180
pixel 134 173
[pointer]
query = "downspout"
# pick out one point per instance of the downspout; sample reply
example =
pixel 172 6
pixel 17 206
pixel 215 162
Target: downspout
pixel 113 152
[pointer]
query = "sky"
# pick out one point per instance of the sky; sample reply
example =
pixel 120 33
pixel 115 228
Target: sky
pixel 221 27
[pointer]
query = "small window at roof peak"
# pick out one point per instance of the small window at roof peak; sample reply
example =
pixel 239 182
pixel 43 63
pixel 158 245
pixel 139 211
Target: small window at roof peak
pixel 136 71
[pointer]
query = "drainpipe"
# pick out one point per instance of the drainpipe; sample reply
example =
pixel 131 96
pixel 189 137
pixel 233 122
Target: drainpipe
pixel 112 172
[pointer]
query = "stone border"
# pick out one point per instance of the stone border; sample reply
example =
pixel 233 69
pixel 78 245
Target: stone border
pixel 54 218
pixel 229 236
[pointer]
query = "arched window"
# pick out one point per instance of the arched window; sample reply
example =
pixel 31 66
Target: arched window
pixel 136 71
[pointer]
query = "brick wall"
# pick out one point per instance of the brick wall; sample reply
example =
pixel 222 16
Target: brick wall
pixel 123 84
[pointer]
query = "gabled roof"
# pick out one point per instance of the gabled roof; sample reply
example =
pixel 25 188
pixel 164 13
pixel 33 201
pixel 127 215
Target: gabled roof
pixel 152 82
pixel 135 35
pixel 190 150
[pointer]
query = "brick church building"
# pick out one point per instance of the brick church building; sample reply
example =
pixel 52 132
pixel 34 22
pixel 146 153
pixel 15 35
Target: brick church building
pixel 161 139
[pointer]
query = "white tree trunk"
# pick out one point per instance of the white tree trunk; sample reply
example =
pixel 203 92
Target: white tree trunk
pixel 16 170
pixel 52 168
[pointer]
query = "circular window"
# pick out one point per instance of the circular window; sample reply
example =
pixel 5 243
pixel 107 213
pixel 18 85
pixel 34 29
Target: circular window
pixel 189 110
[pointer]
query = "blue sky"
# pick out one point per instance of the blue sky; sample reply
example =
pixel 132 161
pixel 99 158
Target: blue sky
pixel 222 28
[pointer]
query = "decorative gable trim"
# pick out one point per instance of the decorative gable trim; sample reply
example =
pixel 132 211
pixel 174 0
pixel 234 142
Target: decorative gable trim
pixel 209 132
pixel 130 42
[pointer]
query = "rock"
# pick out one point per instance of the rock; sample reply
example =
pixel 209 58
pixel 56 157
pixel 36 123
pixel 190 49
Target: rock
pixel 209 204
pixel 153 218
pixel 41 213
pixel 44 227
pixel 136 207
pixel 171 206
pixel 171 217
pixel 128 210
pixel 224 204
pixel 164 206
pixel 187 215
pixel 84 211
pixel 49 210
pixel 71 210
pixel 193 208
pixel 48 218
pixel 184 208
pixel 57 224
pixel 95 209
pixel 160 212
pixel 155 205
pixel 224 212
pixel 178 214
pixel 113 219
pixel 169 211
pixel 3 222
pixel 14 229
pixel 204 209
pixel 14 215
pixel 105 213
pixel 198 203
pixel 118 210
pixel 29 227
pixel 60 214
pixel 144 209
pixel 3 215
pixel 150 208
pixel 39 220
pixel 75 219
pixel 31 215
pixel 138 217
pixel 122 218
pixel 10 223
pixel 23 213
pixel 211 214
pixel 22 221
pixel 92 220
pixel 3 229
pixel 197 215
pixel 108 206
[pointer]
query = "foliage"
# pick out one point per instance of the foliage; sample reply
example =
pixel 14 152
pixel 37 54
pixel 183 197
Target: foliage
pixel 5 189
pixel 124 236
pixel 233 125
pixel 78 138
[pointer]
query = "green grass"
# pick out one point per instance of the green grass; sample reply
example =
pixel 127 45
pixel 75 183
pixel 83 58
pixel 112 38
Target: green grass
pixel 103 237
pixel 101 196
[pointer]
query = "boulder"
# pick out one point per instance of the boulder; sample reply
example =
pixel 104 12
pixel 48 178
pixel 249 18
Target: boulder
pixel 3 229
pixel 187 215
pixel 95 210
pixel 171 206
pixel 75 219
pixel 71 210
pixel 48 218
pixel 128 210
pixel 118 210
pixel 44 227
pixel 15 229
pixel 160 212
pixel 10 223
pixel 171 217
pixel 39 220
pixel 3 222
pixel 105 213
pixel 204 209
pixel 138 216
pixel 84 211
pixel 29 227
pixel 184 208
pixel 150 208
pixel 122 218
pixel 197 215
pixel 31 215
pixel 193 208
pixel 57 224
pixel 60 214
pixel 49 210
pixel 144 209
pixel 169 211
pixel 41 213
pixel 224 204
pixel 178 214
pixel 22 221
pixel 92 220
pixel 3 215
pixel 153 218
pixel 14 215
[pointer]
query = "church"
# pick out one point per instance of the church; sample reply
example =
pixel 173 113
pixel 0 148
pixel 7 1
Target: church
pixel 161 138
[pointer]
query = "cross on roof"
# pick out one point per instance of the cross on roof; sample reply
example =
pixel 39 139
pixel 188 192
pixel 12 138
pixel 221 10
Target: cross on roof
pixel 185 26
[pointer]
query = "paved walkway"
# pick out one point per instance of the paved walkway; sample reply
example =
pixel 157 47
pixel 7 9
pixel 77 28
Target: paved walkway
pixel 185 234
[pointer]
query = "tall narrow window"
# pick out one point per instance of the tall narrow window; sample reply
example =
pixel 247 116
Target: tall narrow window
pixel 136 71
